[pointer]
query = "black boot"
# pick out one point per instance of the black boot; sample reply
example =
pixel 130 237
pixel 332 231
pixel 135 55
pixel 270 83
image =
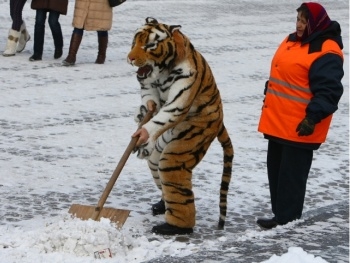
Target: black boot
pixel 38 46
pixel 58 53
pixel 158 208
pixel 35 57
pixel 57 39
pixel 267 223
pixel 167 229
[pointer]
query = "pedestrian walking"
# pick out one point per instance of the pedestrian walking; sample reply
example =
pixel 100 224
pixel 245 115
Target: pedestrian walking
pixel 54 8
pixel 18 34
pixel 90 15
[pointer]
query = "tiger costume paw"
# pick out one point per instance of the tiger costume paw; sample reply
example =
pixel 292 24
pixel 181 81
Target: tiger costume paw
pixel 140 113
pixel 144 151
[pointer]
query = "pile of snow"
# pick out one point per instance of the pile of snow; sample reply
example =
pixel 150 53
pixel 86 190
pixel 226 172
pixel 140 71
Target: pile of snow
pixel 295 255
pixel 73 240
pixel 67 239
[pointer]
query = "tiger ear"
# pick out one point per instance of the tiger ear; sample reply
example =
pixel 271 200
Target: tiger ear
pixel 151 20
pixel 180 44
pixel 172 29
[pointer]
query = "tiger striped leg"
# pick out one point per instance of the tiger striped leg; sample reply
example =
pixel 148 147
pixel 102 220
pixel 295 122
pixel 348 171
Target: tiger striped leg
pixel 159 207
pixel 153 166
pixel 176 178
pixel 179 198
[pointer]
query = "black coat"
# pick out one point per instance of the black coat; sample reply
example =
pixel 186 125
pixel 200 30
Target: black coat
pixel 60 6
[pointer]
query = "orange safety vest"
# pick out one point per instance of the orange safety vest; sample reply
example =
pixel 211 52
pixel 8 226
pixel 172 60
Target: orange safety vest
pixel 288 92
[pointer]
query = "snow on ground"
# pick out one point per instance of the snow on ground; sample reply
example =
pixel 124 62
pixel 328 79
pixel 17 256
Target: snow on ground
pixel 63 130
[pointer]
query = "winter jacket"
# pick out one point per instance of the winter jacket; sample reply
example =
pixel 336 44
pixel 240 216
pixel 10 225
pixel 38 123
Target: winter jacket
pixel 92 15
pixel 305 81
pixel 53 5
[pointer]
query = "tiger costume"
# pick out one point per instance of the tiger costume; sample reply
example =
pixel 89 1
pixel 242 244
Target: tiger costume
pixel 188 117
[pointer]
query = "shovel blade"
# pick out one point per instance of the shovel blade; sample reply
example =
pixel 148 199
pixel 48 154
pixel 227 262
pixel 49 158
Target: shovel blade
pixel 85 212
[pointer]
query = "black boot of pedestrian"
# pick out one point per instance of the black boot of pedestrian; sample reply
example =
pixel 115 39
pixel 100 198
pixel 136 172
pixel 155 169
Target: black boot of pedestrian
pixel 158 208
pixel 35 57
pixel 267 223
pixel 58 53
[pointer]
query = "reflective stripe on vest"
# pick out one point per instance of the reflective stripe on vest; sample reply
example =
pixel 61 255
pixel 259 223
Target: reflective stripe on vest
pixel 290 86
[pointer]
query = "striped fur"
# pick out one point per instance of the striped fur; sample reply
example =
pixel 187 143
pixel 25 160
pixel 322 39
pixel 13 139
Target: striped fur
pixel 189 116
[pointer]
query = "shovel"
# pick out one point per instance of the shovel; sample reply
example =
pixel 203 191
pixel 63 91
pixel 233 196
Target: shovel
pixel 117 216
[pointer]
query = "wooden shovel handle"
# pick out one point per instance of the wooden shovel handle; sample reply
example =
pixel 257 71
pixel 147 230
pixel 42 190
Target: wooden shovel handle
pixel 119 168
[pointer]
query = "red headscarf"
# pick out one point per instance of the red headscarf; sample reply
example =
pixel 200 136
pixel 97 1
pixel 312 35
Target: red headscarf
pixel 318 18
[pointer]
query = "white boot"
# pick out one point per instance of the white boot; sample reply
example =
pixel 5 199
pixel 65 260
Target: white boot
pixel 12 42
pixel 23 39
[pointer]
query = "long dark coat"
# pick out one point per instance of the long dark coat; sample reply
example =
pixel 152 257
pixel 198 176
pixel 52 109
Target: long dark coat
pixel 54 5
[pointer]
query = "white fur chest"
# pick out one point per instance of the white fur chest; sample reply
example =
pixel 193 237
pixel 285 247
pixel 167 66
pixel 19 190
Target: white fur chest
pixel 162 85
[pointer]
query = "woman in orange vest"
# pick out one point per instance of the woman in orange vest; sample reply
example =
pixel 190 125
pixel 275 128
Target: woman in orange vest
pixel 301 95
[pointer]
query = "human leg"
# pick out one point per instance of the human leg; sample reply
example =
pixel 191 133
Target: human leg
pixel 12 8
pixel 102 46
pixel 39 34
pixel 16 7
pixel 273 161
pixel 57 35
pixel 73 47
pixel 24 38
pixel 294 172
pixel 287 183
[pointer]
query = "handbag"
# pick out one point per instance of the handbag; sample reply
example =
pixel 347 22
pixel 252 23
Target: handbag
pixel 114 3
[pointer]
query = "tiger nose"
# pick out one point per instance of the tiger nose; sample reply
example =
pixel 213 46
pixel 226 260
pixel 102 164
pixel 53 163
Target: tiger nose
pixel 130 60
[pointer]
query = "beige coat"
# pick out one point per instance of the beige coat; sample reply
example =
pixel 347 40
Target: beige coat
pixel 93 15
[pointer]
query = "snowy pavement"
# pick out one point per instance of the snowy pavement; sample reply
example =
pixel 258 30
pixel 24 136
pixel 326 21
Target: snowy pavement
pixel 63 131
pixel 329 241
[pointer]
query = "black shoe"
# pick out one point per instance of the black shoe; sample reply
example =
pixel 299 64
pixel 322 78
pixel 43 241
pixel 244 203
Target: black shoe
pixel 166 229
pixel 35 58
pixel 158 208
pixel 58 53
pixel 266 223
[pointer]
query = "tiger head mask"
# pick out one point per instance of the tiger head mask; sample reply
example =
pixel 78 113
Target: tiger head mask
pixel 157 47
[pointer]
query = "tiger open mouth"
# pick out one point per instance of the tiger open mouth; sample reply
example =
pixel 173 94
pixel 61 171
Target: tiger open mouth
pixel 144 72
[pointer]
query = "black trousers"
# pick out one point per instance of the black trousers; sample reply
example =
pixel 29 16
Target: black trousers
pixel 16 7
pixel 39 30
pixel 288 169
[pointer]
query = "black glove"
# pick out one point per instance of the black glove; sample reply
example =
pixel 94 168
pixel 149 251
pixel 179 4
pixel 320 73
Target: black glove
pixel 306 127
pixel 266 86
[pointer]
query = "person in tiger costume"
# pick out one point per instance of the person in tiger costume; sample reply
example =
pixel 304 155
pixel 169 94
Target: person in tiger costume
pixel 178 85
